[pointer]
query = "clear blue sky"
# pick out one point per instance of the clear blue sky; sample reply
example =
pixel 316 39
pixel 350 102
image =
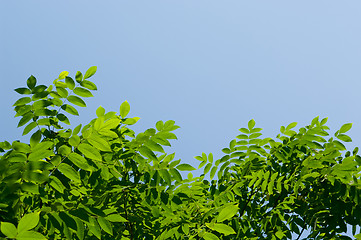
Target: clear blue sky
pixel 209 65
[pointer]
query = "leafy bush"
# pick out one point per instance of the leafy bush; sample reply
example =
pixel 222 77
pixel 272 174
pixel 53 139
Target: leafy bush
pixel 102 181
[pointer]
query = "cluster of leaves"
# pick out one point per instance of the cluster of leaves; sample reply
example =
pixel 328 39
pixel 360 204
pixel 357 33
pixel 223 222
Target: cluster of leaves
pixel 103 181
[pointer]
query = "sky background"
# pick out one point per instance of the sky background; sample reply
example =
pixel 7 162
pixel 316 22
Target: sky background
pixel 209 65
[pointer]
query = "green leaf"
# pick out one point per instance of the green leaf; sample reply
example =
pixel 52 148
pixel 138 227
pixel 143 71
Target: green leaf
pixel 76 101
pixel 74 140
pixel 99 143
pixel 185 167
pixel 346 127
pixel 124 109
pixel 251 124
pixel 79 161
pixel 21 147
pixel 8 229
pixel 213 172
pixel 100 111
pixel 70 83
pixel 94 227
pixel 22 101
pixel 90 72
pixel 244 130
pixel 30 235
pixel 25 91
pixel 70 109
pixel 31 82
pixel 105 225
pixel 89 85
pixel 210 236
pixel 63 74
pixel 89 151
pixel 28 221
pixel 35 138
pixel 291 125
pixel 221 228
pixel 63 118
pixel 69 172
pixel 146 152
pixel 344 138
pixel 227 213
pixel 62 92
pixel 57 184
pixel 82 92
pixel 78 76
pixel 115 218
pixel 25 119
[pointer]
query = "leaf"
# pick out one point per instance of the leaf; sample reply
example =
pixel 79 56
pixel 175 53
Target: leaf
pixel 221 228
pixel 89 151
pixel 94 227
pixel 90 72
pixel 57 184
pixel 25 119
pixel 63 74
pixel 22 101
pixel 62 92
pixel 99 143
pixel 115 218
pixel 227 213
pixel 213 172
pixel 78 76
pixel 82 92
pixel 25 91
pixel 124 109
pixel 63 118
pixel 28 221
pixel 251 124
pixel 30 235
pixel 100 111
pixel 210 236
pixel 35 138
pixel 70 83
pixel 185 167
pixel 69 172
pixel 8 229
pixel 291 125
pixel 244 130
pixel 344 138
pixel 146 152
pixel 89 85
pixel 74 140
pixel 76 101
pixel 70 109
pixel 346 127
pixel 105 225
pixel 31 82
pixel 111 124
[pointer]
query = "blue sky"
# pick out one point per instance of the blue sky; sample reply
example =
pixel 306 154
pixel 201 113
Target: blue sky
pixel 209 65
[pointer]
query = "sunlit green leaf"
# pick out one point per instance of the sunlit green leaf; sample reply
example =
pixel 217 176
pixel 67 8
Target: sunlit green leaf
pixel 89 151
pixel 28 221
pixel 8 229
pixel 105 225
pixel 227 213
pixel 90 72
pixel 185 167
pixel 69 83
pixel 76 101
pixel 124 109
pixel 70 109
pixel 69 172
pixel 89 85
pixel 31 82
pixel 82 92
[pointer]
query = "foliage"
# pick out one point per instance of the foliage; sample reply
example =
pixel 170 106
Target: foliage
pixel 103 181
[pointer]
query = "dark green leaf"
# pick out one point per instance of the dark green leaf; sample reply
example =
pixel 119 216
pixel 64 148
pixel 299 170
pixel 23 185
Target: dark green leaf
pixel 78 76
pixel 25 91
pixel 31 82
pixel 63 118
pixel 70 83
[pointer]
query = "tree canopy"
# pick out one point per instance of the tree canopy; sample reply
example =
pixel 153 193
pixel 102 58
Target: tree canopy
pixel 104 181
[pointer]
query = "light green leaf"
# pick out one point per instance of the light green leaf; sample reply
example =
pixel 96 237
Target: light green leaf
pixel 213 172
pixel 111 123
pixel 94 227
pixel 35 138
pixel 57 184
pixel 29 127
pixel 210 236
pixel 89 85
pixel 124 109
pixel 22 101
pixel 244 130
pixel 227 213
pixel 62 92
pixel 100 111
pixel 69 172
pixel 344 137
pixel 8 229
pixel 29 221
pixel 76 101
pixel 185 167
pixel 89 151
pixel 74 140
pixel 30 235
pixel 105 225
pixel 63 118
pixel 115 218
pixel 90 72
pixel 25 91
pixel 146 152
pixel 346 127
pixel 70 109
pixel 99 143
pixel 221 228
pixel 251 124
pixel 82 92
pixel 63 74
